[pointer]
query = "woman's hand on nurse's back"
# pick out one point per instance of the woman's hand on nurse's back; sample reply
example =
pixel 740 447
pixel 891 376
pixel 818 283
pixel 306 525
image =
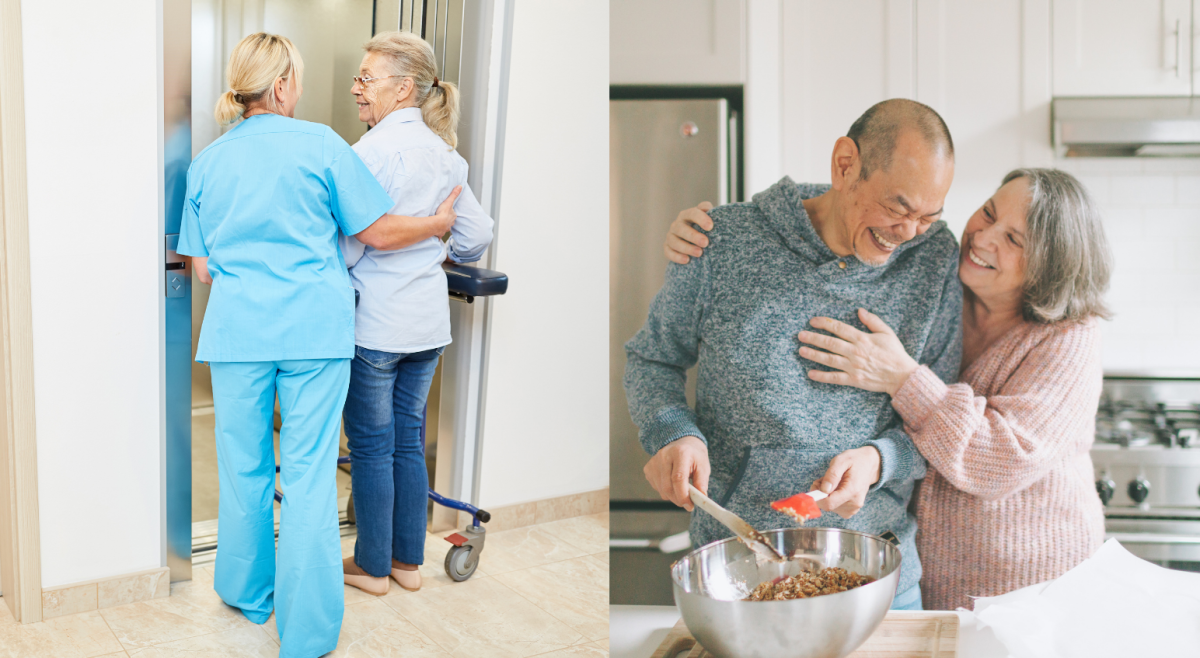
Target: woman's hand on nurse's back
pixel 683 240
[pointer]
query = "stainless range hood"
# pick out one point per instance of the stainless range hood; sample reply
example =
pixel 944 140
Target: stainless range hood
pixel 1126 127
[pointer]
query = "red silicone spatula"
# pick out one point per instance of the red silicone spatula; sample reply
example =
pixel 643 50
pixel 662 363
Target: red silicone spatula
pixel 801 507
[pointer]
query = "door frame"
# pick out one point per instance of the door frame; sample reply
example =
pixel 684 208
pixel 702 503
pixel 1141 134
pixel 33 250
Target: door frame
pixel 20 532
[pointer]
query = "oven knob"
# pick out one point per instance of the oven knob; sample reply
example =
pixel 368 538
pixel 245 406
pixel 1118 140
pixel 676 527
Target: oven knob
pixel 1105 488
pixel 1139 489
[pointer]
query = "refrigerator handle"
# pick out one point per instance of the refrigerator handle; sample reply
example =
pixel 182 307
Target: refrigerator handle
pixel 734 194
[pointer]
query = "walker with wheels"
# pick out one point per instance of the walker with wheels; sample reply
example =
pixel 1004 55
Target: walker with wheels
pixel 465 284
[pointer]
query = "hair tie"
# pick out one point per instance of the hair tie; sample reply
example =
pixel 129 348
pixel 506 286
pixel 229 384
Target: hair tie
pixel 237 97
pixel 435 81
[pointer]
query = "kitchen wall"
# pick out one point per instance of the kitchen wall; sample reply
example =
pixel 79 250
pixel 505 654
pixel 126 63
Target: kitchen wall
pixel 811 66
pixel 1152 218
pixel 685 41
pixel 92 114
pixel 546 425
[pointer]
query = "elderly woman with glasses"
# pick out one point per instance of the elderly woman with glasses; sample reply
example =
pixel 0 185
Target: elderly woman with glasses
pixel 403 319
pixel 265 205
pixel 1009 499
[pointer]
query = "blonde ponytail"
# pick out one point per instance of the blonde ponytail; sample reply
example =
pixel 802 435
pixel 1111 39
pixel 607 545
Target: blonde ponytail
pixel 440 111
pixel 229 108
pixel 255 64
pixel 410 56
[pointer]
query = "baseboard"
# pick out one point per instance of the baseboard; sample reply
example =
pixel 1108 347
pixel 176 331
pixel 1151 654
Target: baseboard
pixel 106 592
pixel 543 511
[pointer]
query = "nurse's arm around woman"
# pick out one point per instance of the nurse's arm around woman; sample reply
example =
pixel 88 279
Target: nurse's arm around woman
pixel 387 232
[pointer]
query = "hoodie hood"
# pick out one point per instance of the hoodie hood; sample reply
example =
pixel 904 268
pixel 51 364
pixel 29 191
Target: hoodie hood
pixel 783 209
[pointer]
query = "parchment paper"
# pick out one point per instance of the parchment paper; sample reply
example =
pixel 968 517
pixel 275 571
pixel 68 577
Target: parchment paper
pixel 1114 604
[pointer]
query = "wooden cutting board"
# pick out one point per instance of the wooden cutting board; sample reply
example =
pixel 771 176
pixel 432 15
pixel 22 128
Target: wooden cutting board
pixel 903 635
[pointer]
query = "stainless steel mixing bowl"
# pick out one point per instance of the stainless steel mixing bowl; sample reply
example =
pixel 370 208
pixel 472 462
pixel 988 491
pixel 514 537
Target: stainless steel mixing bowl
pixel 711 581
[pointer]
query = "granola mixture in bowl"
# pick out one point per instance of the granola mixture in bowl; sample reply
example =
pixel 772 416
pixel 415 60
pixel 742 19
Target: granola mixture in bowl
pixel 807 584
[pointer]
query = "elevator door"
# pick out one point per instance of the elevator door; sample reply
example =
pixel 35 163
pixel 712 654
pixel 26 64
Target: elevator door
pixel 330 35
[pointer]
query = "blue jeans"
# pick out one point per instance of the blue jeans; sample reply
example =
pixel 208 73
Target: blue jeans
pixel 909 599
pixel 383 415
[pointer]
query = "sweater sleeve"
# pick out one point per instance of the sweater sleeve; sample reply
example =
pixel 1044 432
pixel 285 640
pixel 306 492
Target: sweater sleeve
pixel 994 446
pixel 899 459
pixel 659 356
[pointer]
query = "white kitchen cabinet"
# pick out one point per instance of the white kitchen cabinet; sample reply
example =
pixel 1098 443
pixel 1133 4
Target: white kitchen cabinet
pixel 676 42
pixel 983 66
pixel 827 81
pixel 1122 47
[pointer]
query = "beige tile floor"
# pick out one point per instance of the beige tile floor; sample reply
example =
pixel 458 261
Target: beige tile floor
pixel 539 591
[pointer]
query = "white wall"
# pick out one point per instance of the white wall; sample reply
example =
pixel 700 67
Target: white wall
pixel 1152 218
pixel 692 42
pixel 95 236
pixel 970 62
pixel 546 428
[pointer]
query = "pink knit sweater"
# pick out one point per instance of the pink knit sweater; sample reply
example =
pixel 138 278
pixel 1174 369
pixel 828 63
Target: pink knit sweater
pixel 1009 499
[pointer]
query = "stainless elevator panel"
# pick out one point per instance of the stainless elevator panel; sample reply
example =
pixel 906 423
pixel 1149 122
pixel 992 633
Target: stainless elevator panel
pixel 664 156
pixel 440 22
pixel 176 142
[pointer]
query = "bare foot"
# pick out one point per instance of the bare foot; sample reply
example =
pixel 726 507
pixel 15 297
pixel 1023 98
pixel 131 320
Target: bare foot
pixel 354 576
pixel 406 575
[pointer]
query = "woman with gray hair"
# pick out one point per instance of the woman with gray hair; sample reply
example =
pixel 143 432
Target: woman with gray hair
pixel 1009 499
pixel 402 322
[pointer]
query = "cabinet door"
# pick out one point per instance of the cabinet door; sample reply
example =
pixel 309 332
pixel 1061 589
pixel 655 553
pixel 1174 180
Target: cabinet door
pixel 1122 47
pixel 827 83
pixel 984 67
pixel 681 42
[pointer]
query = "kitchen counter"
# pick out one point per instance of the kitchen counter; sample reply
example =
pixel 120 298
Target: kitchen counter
pixel 635 631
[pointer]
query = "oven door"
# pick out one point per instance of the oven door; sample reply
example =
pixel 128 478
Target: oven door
pixel 639 560
pixel 1171 543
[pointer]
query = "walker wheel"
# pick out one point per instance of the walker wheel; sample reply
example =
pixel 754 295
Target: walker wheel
pixel 460 563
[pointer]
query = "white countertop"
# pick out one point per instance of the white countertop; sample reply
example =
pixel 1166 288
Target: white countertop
pixel 635 631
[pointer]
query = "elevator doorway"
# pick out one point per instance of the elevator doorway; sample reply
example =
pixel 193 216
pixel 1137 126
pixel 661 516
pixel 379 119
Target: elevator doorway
pixel 329 35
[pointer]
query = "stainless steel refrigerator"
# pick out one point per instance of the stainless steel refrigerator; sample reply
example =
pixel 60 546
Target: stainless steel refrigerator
pixel 664 155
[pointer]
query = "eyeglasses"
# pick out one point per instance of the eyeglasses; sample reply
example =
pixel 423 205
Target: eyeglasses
pixel 363 80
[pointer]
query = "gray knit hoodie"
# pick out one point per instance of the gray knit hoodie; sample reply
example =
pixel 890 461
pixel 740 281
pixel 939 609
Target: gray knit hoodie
pixel 771 431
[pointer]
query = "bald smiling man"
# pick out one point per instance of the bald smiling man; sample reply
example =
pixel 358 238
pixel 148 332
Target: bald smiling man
pixel 764 426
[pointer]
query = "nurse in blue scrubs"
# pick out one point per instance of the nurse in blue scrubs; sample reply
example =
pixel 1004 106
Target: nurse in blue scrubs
pixel 265 204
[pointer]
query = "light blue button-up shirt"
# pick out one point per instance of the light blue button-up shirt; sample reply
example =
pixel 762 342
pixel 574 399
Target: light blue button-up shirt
pixel 403 305
pixel 265 203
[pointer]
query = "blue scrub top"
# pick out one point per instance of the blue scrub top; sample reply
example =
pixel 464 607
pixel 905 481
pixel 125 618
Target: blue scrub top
pixel 265 203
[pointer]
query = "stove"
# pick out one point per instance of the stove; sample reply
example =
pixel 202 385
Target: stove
pixel 1147 464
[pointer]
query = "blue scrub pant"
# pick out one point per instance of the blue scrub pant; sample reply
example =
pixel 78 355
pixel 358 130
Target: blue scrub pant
pixel 304 584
